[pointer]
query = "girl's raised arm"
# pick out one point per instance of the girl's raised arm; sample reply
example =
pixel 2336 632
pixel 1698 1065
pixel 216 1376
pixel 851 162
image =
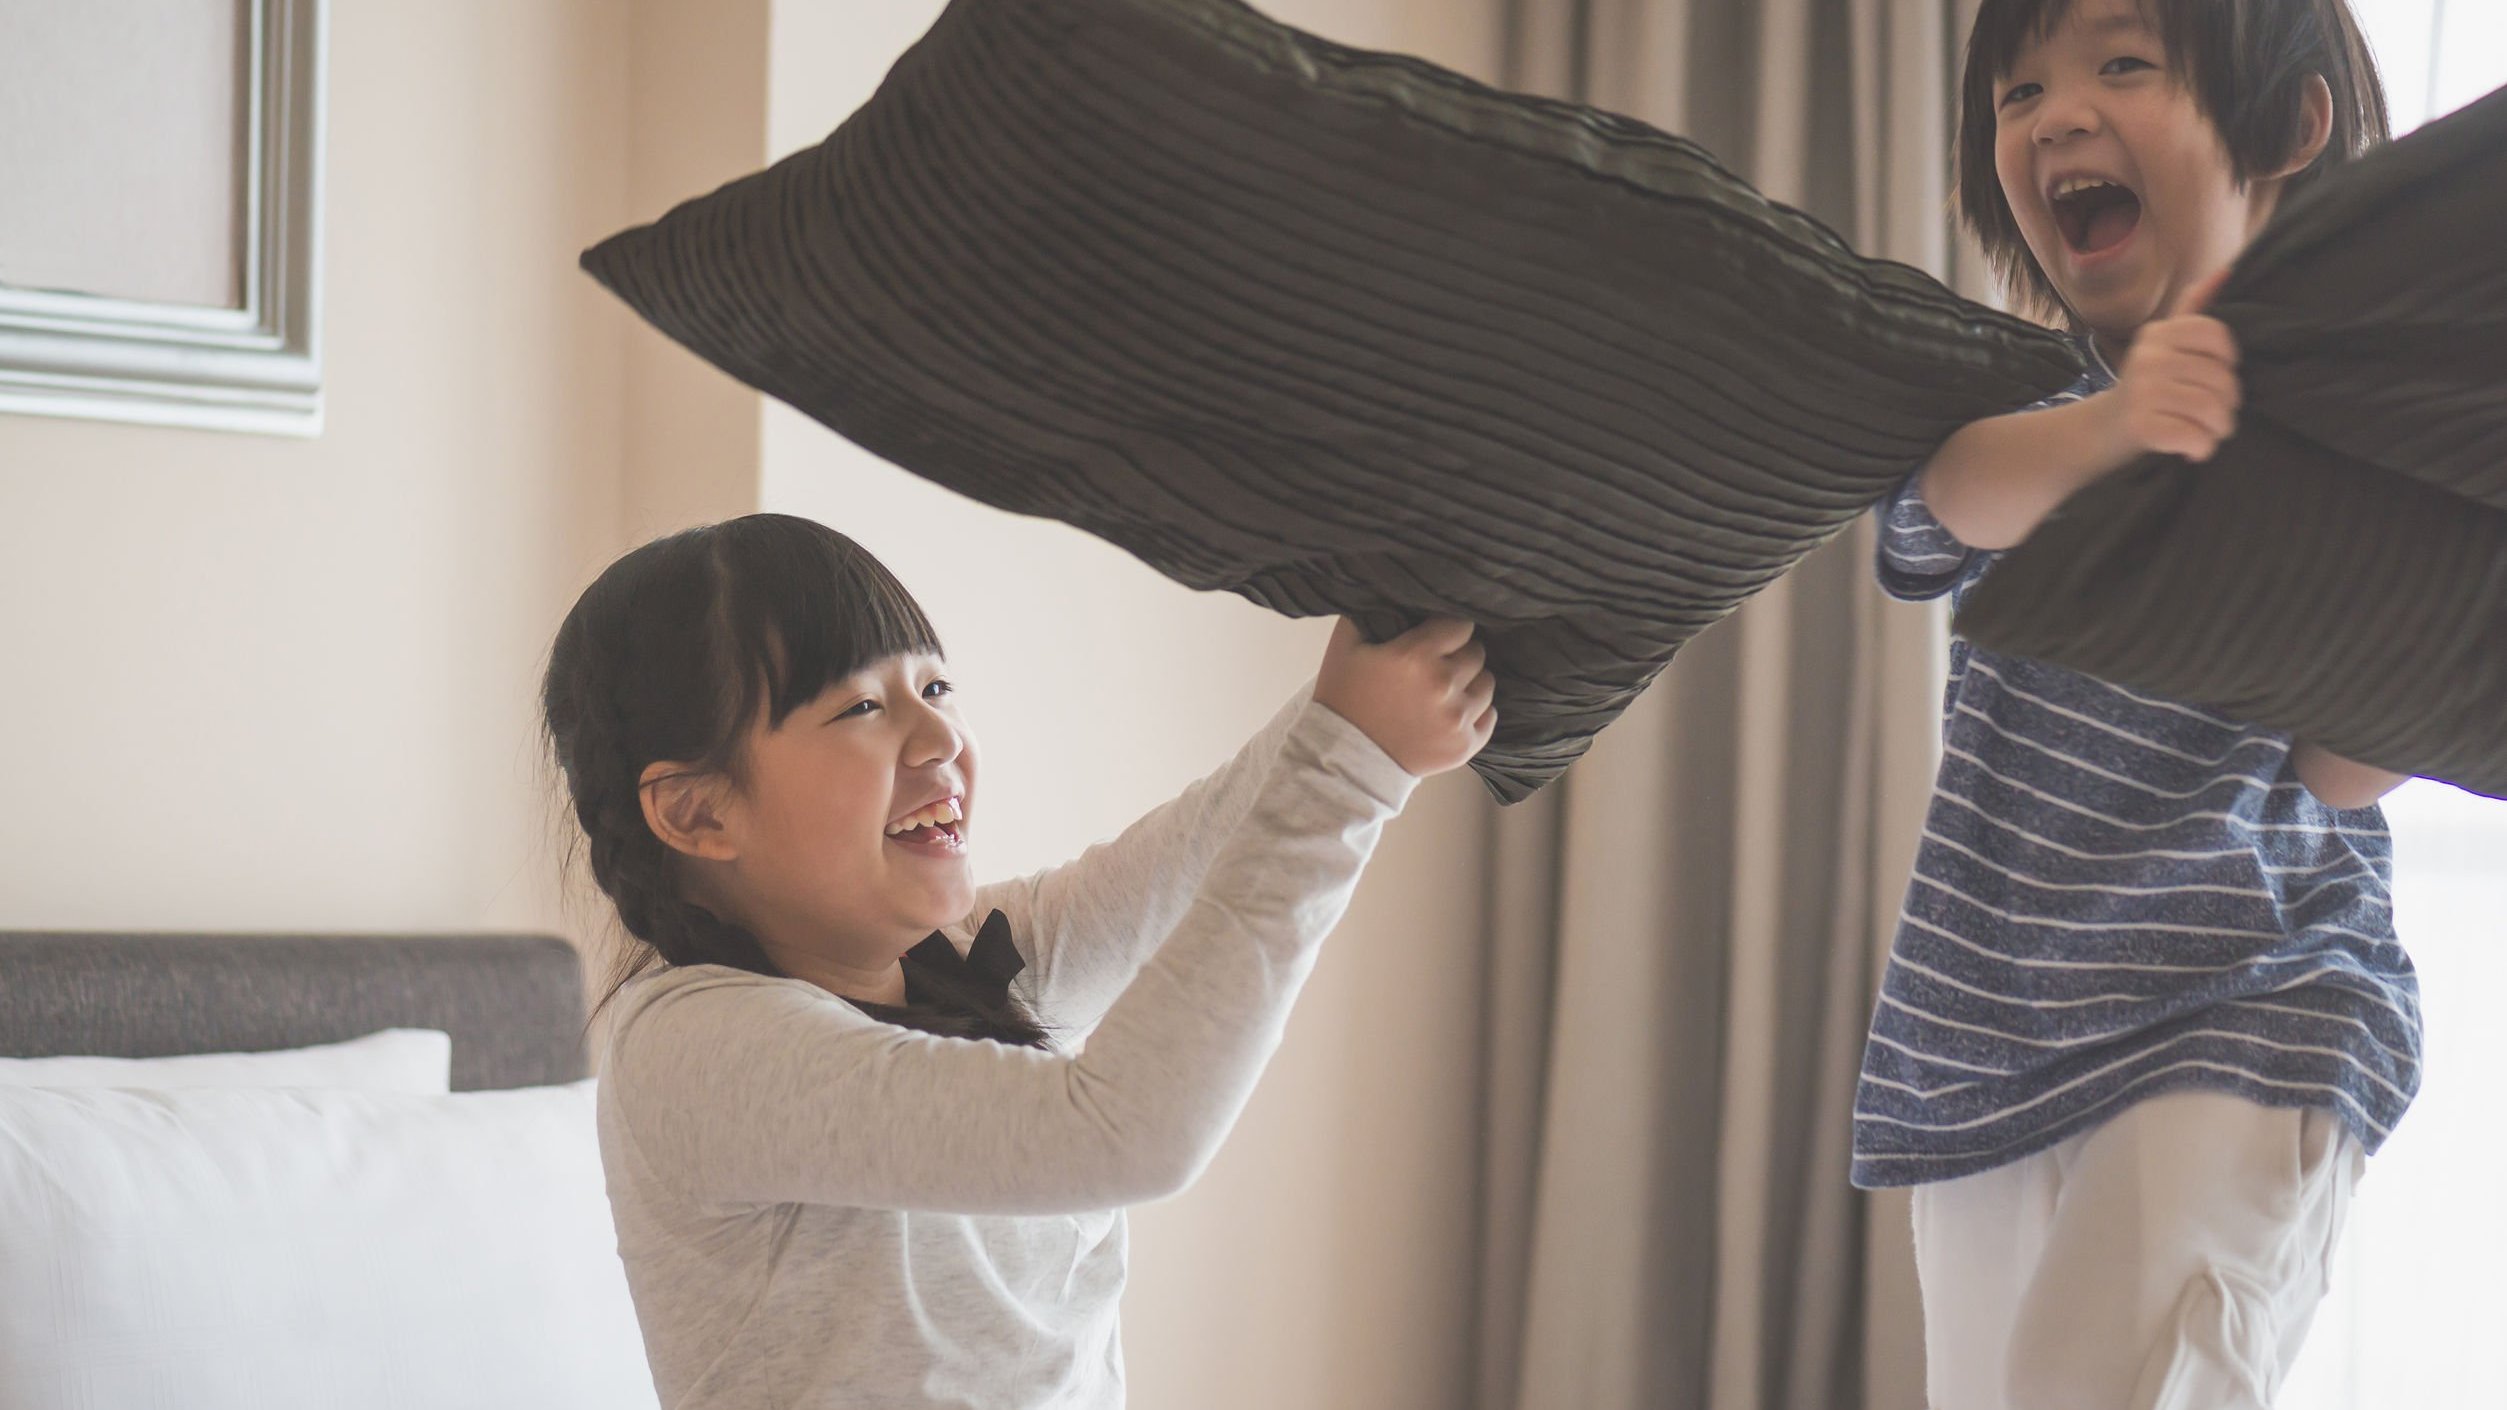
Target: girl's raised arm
pixel 738 1090
pixel 1086 926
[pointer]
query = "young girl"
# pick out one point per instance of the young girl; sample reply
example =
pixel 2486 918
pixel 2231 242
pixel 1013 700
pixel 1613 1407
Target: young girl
pixel 2145 1013
pixel 854 1150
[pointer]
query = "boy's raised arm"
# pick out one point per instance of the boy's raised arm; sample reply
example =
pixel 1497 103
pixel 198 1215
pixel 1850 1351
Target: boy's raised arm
pixel 2177 393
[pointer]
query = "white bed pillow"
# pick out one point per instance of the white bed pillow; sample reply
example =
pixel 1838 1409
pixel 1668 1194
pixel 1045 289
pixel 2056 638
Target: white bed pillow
pixel 393 1060
pixel 291 1249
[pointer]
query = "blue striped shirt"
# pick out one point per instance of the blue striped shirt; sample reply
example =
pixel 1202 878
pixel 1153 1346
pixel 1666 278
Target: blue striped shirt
pixel 2117 896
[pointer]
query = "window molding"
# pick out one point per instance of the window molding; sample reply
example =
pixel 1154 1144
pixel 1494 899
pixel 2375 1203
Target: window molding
pixel 255 368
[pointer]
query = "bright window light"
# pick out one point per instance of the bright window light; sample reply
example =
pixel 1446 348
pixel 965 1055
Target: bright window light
pixel 2418 1301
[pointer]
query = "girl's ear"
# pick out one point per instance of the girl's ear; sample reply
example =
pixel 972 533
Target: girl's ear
pixel 687 809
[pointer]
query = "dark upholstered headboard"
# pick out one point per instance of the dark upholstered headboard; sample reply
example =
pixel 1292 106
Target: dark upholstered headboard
pixel 512 1003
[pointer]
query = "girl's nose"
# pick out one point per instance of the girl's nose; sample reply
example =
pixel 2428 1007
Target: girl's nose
pixel 935 739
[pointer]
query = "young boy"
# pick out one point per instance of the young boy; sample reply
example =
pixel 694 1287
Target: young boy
pixel 2145 1015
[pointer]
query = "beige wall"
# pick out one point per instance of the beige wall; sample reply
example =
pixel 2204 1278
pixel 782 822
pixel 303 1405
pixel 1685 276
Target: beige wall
pixel 1323 1261
pixel 696 117
pixel 256 683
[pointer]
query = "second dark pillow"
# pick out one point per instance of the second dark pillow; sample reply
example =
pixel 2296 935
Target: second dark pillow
pixel 2337 571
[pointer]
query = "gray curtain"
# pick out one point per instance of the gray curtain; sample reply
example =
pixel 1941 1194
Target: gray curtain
pixel 1684 936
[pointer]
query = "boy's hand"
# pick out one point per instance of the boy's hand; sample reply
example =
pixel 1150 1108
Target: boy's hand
pixel 1423 697
pixel 2177 392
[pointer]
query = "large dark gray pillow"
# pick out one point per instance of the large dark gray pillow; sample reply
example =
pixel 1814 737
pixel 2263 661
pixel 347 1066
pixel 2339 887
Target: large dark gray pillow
pixel 2338 569
pixel 1338 331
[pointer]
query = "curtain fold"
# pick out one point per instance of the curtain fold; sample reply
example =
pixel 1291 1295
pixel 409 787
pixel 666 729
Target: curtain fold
pixel 1684 936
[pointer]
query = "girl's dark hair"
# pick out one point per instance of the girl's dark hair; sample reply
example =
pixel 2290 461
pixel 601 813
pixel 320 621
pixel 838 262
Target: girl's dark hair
pixel 2249 61
pixel 670 654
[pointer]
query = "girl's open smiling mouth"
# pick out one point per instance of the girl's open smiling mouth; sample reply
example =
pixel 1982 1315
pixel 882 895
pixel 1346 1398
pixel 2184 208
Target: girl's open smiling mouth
pixel 936 829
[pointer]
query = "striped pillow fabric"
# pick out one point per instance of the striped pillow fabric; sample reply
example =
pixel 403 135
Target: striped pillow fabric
pixel 1338 331
pixel 2338 569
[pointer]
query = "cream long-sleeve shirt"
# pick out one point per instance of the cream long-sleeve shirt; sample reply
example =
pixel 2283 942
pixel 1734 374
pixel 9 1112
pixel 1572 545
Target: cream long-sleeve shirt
pixel 818 1209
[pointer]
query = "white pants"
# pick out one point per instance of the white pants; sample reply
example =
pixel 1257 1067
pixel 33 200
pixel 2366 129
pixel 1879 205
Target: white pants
pixel 2169 1259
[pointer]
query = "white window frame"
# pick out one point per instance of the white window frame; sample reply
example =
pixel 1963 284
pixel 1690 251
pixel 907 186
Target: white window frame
pixel 255 368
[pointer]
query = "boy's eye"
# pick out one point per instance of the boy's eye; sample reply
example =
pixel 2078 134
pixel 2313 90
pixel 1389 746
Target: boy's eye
pixel 857 708
pixel 941 686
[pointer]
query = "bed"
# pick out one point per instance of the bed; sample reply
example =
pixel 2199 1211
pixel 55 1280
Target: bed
pixel 512 1003
pixel 244 1170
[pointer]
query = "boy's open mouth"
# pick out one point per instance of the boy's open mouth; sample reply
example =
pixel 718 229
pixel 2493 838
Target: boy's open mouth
pixel 936 828
pixel 2094 215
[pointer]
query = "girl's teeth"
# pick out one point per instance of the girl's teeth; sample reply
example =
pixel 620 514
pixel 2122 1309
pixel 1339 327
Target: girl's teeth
pixel 932 816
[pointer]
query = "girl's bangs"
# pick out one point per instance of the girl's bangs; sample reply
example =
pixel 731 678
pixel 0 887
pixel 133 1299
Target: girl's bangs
pixel 807 607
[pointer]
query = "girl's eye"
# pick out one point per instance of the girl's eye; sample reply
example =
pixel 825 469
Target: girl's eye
pixel 858 708
pixel 2019 91
pixel 941 686
pixel 2126 59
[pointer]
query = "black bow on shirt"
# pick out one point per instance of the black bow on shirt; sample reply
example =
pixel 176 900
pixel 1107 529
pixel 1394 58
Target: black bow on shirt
pixel 988 965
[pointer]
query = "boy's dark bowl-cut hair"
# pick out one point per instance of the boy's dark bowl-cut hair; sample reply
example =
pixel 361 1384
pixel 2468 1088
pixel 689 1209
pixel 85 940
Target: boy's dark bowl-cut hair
pixel 2248 60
